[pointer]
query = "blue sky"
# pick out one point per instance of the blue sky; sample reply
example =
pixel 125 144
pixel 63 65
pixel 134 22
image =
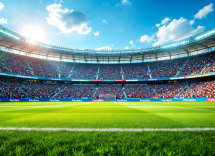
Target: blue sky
pixel 112 24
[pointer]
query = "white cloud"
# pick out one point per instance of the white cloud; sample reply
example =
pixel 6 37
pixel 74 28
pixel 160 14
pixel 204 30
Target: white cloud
pixel 192 22
pixel 105 4
pixel 158 25
pixel 1 6
pixel 97 33
pixel 66 20
pixel 104 48
pixel 205 11
pixel 165 20
pixel 61 1
pixel 112 45
pixel 127 47
pixel 3 21
pixel 104 21
pixel 146 38
pixel 124 2
pixel 176 30
pixel 131 42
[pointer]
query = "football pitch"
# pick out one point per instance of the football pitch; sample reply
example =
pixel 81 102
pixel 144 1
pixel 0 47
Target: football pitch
pixel 107 128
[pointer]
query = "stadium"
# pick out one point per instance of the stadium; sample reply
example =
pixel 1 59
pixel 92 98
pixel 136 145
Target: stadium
pixel 140 101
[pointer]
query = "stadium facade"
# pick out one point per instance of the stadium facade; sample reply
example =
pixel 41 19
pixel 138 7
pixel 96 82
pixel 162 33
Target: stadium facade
pixel 174 70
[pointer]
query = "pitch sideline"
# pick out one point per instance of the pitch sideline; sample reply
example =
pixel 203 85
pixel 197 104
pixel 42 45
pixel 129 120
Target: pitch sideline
pixel 106 129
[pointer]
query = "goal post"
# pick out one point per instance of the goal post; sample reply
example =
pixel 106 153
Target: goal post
pixel 107 97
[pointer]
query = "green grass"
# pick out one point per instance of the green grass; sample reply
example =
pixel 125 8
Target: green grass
pixel 107 115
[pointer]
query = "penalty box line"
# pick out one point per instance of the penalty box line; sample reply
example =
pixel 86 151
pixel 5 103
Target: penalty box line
pixel 106 129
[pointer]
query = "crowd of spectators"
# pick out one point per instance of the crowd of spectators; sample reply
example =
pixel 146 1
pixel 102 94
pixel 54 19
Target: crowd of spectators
pixel 154 90
pixel 196 64
pixel 199 90
pixel 166 68
pixel 13 64
pixel 135 71
pixel 84 71
pixel 18 89
pixel 13 89
pixel 77 91
pixel 210 68
pixel 110 72
pixel 19 64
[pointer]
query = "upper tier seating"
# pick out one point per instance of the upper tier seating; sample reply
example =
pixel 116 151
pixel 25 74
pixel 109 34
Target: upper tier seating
pixel 166 68
pixel 135 71
pixel 19 64
pixel 110 72
pixel 196 64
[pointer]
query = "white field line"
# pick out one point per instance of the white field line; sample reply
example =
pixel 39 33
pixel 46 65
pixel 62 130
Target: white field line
pixel 106 129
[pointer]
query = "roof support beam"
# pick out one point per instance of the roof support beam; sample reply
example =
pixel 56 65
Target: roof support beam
pixel 22 48
pixel 85 58
pixel 143 58
pixel 30 51
pixel 13 45
pixel 73 57
pixel 170 56
pixel 9 50
pixel 119 58
pixel 61 57
pixel 131 59
pixel 47 55
pixel 156 56
pixel 188 53
pixel 195 48
pixel 97 59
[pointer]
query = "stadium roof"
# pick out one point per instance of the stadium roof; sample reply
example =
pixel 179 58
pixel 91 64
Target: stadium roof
pixel 13 41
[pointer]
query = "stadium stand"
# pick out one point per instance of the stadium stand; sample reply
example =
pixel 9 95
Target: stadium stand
pixel 154 90
pixel 13 89
pixel 77 91
pixel 84 71
pixel 19 89
pixel 23 65
pixel 197 64
pixel 110 72
pixel 135 71
pixel 166 68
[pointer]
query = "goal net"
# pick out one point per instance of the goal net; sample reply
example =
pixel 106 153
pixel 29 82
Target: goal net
pixel 107 97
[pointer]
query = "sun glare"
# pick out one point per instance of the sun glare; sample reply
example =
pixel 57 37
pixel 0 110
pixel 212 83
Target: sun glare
pixel 34 33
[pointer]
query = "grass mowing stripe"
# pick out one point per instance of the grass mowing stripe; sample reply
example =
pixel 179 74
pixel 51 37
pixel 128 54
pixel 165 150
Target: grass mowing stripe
pixel 160 106
pixel 35 107
pixel 195 109
pixel 106 129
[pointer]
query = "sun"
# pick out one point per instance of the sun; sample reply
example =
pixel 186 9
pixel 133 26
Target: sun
pixel 34 33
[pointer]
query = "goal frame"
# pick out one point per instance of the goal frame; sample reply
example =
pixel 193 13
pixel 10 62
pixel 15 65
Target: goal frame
pixel 107 97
